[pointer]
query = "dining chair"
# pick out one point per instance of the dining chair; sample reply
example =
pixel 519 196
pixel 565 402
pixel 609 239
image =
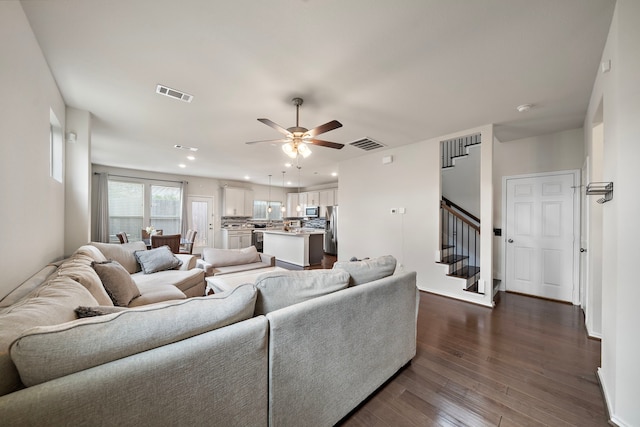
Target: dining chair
pixel 186 247
pixel 171 240
pixel 145 235
pixel 122 236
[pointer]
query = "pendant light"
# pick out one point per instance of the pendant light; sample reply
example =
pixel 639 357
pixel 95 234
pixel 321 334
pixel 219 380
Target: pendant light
pixel 282 207
pixel 298 208
pixel 269 201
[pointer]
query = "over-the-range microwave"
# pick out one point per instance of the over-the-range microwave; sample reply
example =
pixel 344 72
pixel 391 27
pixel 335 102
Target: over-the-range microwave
pixel 312 211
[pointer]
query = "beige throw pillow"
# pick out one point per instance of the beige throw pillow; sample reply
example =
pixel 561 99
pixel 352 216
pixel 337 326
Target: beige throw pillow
pixel 117 282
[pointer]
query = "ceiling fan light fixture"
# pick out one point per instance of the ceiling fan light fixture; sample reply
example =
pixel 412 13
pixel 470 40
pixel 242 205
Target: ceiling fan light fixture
pixel 304 149
pixel 290 150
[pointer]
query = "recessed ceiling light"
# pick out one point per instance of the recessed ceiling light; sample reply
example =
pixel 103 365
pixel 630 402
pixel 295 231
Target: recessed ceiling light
pixel 184 147
pixel 288 182
pixel 182 165
pixel 334 173
pixel 247 177
pixel 191 157
pixel 524 108
pixel 287 165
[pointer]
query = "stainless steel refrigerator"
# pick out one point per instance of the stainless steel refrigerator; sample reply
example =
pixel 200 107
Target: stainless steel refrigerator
pixel 331 230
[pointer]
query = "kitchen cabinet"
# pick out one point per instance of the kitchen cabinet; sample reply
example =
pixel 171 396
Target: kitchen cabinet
pixel 236 239
pixel 327 198
pixel 237 202
pixel 313 198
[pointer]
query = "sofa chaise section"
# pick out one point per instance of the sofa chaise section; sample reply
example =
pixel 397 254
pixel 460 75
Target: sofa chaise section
pixel 328 354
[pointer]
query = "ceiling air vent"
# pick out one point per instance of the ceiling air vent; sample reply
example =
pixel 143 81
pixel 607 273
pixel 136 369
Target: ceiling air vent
pixel 366 144
pixel 172 93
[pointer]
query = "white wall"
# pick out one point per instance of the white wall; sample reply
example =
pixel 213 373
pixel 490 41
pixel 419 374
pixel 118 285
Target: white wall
pixel 78 181
pixel 619 92
pixel 368 191
pixel 544 153
pixel 32 203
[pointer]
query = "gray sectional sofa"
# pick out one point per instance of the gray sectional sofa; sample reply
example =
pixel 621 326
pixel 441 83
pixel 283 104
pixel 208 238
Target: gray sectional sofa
pixel 295 348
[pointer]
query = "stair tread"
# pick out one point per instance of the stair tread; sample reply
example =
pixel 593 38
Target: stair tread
pixel 452 259
pixel 474 288
pixel 466 272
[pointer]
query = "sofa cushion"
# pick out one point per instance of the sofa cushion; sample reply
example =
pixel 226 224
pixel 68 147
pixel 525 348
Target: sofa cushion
pixel 228 269
pixel 151 293
pixel 78 267
pixel 280 289
pixel 51 303
pixel 157 259
pixel 49 352
pixel 367 270
pixel 223 257
pixel 92 252
pixel 123 253
pixel 117 282
pixel 180 279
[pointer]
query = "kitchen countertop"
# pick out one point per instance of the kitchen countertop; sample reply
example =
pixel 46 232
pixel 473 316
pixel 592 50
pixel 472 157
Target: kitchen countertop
pixel 294 233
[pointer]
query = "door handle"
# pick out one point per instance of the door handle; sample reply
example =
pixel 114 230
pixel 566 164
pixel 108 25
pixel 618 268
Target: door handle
pixel 583 249
pixel 510 240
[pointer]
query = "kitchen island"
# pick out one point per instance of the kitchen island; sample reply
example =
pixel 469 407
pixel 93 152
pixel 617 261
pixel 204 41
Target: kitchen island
pixel 300 248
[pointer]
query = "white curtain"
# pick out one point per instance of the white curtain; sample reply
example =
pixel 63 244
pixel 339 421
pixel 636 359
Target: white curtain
pixel 101 226
pixel 185 218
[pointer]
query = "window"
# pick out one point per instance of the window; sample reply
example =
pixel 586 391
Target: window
pixel 55 147
pixel 165 209
pixel 260 210
pixel 126 209
pixel 135 205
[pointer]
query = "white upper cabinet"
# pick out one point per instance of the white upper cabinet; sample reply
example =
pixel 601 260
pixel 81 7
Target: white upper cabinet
pixel 292 202
pixel 313 198
pixel 237 202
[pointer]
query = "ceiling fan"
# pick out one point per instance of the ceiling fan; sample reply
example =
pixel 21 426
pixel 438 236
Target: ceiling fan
pixel 297 137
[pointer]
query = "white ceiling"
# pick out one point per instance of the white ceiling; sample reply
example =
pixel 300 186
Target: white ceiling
pixel 398 72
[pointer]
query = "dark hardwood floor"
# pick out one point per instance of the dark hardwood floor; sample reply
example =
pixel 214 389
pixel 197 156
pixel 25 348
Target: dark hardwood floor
pixel 527 362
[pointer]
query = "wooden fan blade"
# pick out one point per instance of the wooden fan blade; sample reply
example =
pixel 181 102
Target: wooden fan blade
pixel 333 124
pixel 324 143
pixel 275 126
pixel 270 140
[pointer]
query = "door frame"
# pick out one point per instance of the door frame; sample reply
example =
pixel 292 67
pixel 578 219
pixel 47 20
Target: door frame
pixel 575 299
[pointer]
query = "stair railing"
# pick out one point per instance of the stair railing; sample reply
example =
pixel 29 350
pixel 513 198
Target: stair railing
pixel 460 231
pixel 457 147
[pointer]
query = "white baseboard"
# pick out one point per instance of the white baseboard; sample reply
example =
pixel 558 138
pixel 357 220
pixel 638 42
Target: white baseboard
pixel 612 417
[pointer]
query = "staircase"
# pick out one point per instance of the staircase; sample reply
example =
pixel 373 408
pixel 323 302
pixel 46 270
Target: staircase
pixel 460 230
pixel 460 237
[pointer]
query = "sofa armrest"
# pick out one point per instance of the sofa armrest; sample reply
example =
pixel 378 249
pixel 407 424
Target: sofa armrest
pixel 188 261
pixel 268 259
pixel 204 265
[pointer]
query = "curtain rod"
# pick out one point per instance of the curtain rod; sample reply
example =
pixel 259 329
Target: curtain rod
pixel 147 179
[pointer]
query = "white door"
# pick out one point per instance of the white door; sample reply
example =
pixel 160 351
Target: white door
pixel 540 228
pixel 200 211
